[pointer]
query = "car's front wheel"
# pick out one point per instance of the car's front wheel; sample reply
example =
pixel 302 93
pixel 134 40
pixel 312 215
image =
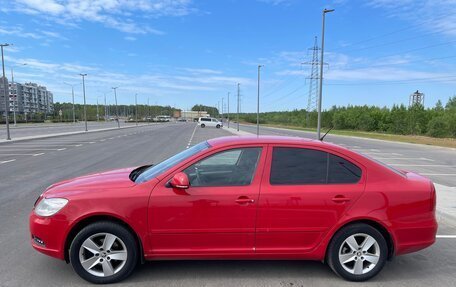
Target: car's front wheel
pixel 203 125
pixel 357 252
pixel 217 126
pixel 104 252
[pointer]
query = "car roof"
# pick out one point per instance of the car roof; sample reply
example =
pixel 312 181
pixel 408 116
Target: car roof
pixel 247 139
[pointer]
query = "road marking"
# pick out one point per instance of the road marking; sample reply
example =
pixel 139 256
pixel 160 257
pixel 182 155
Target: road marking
pixel 6 161
pixel 37 149
pixel 10 154
pixel 103 140
pixel 38 154
pixel 435 174
pixel 425 165
pixel 446 236
pixel 191 138
pixel 405 158
pixel 61 149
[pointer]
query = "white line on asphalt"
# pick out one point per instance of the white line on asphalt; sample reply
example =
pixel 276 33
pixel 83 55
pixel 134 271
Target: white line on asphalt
pixel 38 154
pixel 10 154
pixel 6 161
pixel 428 165
pixel 191 138
pixel 61 149
pixel 446 236
pixel 102 140
pixel 37 149
pixel 436 174
pixel 405 158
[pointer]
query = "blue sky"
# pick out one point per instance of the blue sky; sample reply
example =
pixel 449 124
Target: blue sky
pixel 185 52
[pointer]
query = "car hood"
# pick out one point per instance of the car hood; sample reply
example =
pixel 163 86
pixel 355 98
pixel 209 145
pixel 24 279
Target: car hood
pixel 113 179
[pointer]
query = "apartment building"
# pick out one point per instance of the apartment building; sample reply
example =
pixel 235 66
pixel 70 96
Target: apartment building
pixel 29 98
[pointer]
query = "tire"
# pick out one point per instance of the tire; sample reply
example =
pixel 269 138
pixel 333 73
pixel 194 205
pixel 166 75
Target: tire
pixel 217 126
pixel 100 265
pixel 203 125
pixel 356 266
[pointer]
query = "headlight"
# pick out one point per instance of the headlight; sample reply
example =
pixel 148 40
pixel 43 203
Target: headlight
pixel 50 206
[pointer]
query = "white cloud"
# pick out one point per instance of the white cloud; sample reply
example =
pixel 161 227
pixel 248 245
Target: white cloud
pixel 430 15
pixel 116 14
pixel 167 83
pixel 130 38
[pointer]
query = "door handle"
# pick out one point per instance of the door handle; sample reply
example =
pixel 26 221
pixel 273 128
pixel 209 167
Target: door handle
pixel 340 199
pixel 244 200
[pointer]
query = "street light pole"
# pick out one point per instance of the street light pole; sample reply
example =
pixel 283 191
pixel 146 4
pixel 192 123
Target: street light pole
pixel 258 101
pixel 117 109
pixel 228 119
pixel 321 71
pixel 8 137
pixel 84 93
pixel 238 106
pixel 148 111
pixel 105 109
pixel 98 114
pixel 136 107
pixel 72 96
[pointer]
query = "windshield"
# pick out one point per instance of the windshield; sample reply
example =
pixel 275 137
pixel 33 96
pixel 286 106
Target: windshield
pixel 160 168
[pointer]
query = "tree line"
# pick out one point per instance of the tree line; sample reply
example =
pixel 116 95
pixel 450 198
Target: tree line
pixel 438 121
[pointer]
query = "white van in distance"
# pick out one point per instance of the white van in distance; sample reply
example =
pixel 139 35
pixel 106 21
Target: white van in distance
pixel 209 122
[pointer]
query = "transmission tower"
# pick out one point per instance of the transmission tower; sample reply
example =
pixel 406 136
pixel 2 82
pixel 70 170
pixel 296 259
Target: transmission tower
pixel 416 98
pixel 312 100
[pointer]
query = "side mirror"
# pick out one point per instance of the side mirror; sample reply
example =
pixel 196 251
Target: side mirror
pixel 180 180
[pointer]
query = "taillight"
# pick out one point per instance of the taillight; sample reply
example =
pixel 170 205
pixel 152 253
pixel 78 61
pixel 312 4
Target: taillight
pixel 433 197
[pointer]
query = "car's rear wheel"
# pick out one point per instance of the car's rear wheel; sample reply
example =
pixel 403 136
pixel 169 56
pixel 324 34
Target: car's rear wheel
pixel 217 126
pixel 203 125
pixel 104 252
pixel 357 252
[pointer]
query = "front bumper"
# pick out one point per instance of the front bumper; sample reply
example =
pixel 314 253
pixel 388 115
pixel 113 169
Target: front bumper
pixel 47 235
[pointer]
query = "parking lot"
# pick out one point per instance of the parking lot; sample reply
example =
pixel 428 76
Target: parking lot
pixel 28 167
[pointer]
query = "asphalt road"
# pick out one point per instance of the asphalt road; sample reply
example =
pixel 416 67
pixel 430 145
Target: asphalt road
pixel 28 167
pixel 437 163
pixel 27 130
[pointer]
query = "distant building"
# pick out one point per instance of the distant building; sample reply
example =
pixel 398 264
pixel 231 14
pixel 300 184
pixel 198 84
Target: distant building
pixel 192 115
pixel 30 98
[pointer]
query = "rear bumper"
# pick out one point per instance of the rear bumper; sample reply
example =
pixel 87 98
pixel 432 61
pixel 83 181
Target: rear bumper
pixel 47 235
pixel 411 239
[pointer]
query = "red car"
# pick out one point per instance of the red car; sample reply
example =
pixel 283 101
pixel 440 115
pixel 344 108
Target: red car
pixel 239 198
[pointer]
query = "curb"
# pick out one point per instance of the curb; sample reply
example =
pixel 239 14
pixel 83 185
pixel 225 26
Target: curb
pixel 236 132
pixel 65 134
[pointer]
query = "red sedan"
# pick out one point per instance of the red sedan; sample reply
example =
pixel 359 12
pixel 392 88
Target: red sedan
pixel 239 198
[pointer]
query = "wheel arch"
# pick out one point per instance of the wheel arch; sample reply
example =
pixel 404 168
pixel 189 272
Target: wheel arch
pixel 96 218
pixel 373 223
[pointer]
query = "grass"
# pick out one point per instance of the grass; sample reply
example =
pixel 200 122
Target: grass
pixel 444 142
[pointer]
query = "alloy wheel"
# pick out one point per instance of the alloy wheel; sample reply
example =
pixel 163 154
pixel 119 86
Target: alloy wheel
pixel 103 254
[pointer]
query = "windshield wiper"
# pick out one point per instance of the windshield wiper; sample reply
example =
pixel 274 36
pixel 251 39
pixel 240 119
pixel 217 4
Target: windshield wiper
pixel 137 171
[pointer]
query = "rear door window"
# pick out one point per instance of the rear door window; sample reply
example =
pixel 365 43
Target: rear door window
pixel 299 166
